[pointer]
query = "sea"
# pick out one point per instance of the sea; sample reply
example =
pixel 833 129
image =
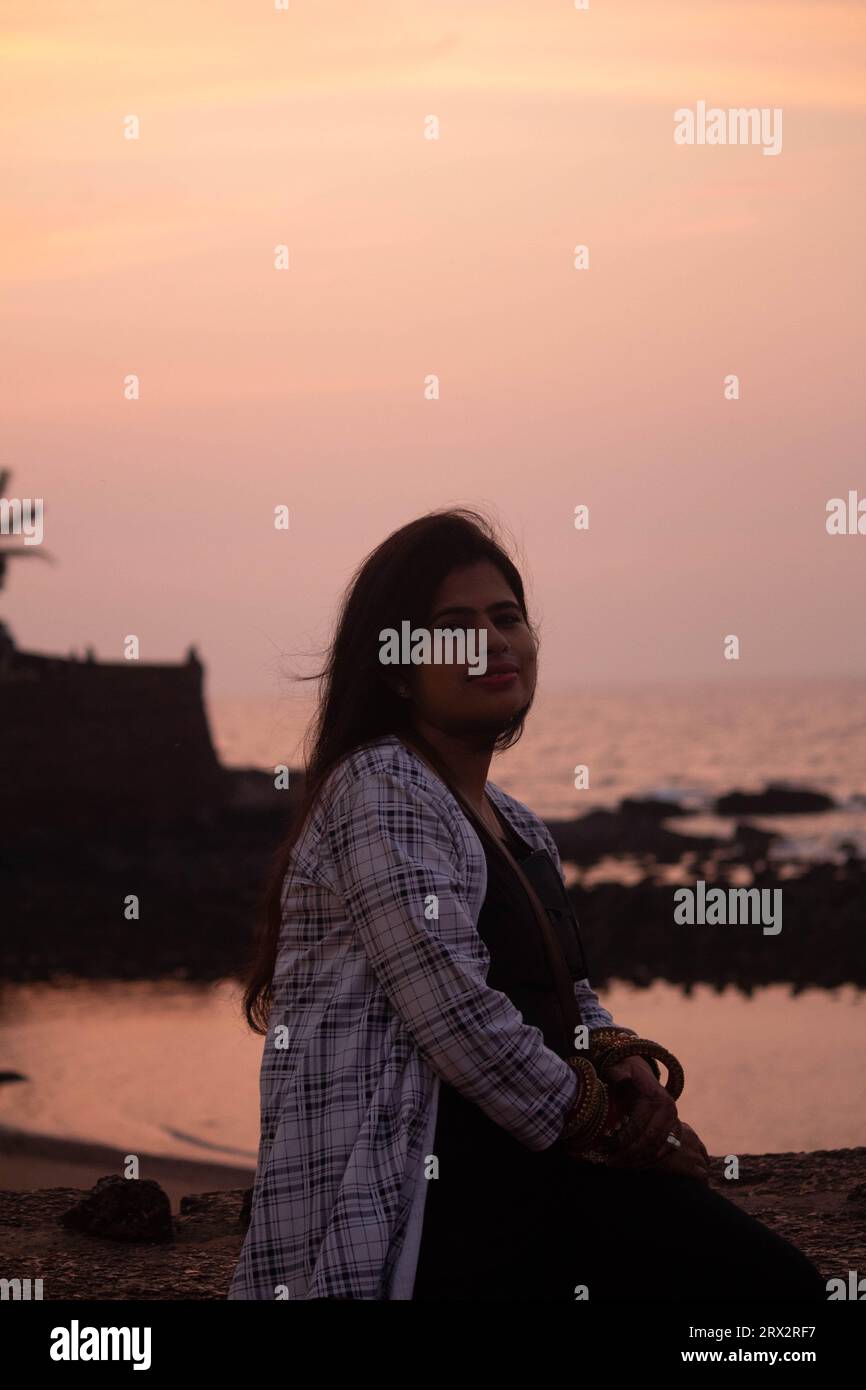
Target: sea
pixel 170 1068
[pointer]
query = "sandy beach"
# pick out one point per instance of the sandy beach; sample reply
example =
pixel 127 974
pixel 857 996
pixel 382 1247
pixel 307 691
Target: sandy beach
pixel 34 1161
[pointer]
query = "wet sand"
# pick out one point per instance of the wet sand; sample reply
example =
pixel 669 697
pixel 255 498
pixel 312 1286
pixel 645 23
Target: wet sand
pixel 33 1161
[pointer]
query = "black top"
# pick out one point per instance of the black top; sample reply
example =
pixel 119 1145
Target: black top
pixel 488 1180
pixel 519 961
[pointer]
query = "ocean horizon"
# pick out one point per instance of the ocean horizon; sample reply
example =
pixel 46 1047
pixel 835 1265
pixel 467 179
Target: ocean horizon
pixel 685 741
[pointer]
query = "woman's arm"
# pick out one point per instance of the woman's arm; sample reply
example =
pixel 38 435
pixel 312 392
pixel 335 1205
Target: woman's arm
pixel 402 873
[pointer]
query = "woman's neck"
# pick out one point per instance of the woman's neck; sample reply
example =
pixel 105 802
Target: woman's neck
pixel 466 758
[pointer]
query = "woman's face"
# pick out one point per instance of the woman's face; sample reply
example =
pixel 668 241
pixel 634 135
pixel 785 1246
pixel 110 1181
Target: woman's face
pixel 448 696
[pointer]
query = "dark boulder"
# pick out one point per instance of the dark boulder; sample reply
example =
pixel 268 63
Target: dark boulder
pixel 648 808
pixel 774 801
pixel 601 833
pixel 129 1209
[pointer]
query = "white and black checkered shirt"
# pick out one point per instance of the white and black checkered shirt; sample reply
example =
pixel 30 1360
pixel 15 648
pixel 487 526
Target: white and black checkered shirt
pixel 379 990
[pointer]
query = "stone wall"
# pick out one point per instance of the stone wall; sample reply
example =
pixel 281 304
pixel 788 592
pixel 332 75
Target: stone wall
pixel 83 741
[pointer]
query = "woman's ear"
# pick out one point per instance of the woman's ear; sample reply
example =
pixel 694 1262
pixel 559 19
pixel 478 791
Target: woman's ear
pixel 397 686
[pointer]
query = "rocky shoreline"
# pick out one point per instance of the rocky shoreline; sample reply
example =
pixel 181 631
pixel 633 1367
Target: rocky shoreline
pixel 200 886
pixel 816 1200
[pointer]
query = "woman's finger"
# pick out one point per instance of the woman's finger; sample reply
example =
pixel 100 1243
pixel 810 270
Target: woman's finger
pixel 650 1121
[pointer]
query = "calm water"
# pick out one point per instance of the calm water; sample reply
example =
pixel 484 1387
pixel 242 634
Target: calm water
pixel 689 741
pixel 172 1069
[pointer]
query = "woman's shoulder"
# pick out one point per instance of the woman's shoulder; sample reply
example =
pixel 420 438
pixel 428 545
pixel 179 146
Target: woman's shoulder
pixel 383 788
pixel 388 768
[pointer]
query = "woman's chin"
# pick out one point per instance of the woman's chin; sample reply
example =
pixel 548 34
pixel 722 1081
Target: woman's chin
pixel 498 706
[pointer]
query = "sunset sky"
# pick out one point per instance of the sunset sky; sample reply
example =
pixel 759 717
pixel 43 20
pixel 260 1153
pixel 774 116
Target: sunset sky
pixel 454 256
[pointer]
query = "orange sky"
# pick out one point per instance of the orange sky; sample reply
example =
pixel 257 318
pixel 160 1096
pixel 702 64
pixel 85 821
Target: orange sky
pixel 408 257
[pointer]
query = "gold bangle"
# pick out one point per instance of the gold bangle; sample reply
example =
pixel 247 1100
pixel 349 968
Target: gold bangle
pixel 589 1116
pixel 586 1104
pixel 642 1047
pixel 591 1131
pixel 601 1039
pixel 608 1047
pixel 585 1107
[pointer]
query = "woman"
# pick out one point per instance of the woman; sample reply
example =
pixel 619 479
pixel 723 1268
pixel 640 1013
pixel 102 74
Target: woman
pixel 422 1135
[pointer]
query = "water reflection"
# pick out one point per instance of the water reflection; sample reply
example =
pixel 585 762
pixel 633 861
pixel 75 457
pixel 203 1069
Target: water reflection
pixel 171 1069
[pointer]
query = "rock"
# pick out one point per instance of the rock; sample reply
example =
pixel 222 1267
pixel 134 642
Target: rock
pixel 125 1209
pixel 752 840
pixel 651 809
pixel 248 789
pixel 206 1213
pixel 775 800
pixel 751 845
pixel 627 933
pixel 599 833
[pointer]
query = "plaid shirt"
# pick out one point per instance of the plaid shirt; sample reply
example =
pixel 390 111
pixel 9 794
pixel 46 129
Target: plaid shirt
pixel 380 990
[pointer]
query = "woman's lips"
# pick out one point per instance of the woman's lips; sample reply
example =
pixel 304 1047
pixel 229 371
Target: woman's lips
pixel 497 680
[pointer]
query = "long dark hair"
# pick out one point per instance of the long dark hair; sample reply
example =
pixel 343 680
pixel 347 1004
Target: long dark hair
pixel 397 581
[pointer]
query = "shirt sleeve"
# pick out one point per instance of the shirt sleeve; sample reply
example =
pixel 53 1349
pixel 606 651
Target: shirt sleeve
pixel 402 874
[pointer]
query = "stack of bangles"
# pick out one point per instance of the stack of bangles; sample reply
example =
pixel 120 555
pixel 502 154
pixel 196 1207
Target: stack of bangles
pixel 596 1128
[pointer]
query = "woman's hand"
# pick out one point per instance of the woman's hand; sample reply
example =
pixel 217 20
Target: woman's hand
pixel 691 1160
pixel 652 1114
pixel 634 1076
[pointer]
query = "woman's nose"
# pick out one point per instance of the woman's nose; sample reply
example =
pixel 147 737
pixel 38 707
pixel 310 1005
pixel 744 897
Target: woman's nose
pixel 497 641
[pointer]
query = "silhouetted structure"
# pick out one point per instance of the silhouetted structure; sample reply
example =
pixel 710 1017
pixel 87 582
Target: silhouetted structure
pixel 83 743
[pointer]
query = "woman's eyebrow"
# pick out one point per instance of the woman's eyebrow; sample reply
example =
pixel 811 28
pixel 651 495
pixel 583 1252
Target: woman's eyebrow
pixel 465 608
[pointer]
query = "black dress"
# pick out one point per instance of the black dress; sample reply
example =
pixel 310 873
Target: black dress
pixel 484 1203
pixel 506 1222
